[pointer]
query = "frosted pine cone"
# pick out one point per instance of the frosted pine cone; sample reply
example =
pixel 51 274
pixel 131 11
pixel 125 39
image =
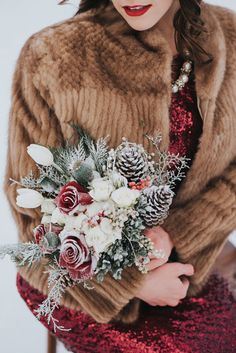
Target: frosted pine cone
pixel 155 203
pixel 132 162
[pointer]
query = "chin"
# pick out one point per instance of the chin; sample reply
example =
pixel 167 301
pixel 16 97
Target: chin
pixel 140 26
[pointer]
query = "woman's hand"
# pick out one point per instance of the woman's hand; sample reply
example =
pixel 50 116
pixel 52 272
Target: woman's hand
pixel 163 286
pixel 161 240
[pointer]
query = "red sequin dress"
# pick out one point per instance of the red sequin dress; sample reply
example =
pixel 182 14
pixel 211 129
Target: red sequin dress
pixel 202 324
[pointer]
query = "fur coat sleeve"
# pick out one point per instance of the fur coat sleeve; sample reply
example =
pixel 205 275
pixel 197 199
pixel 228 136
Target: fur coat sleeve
pixel 200 228
pixel 33 121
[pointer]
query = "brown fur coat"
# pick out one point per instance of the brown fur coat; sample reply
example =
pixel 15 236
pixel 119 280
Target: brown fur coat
pixel 94 71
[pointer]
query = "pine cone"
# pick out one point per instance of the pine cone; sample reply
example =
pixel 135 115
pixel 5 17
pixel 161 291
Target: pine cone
pixel 155 202
pixel 132 163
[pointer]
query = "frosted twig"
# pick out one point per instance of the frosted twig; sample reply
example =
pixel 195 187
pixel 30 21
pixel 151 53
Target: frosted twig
pixel 58 281
pixel 52 174
pixel 165 162
pixel 22 253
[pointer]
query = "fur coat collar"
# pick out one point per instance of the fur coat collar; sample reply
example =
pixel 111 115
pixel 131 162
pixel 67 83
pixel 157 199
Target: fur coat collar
pixel 140 61
pixel 151 45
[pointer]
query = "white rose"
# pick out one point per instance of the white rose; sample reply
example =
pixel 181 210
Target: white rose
pixel 107 228
pixel 47 219
pixel 90 162
pixel 75 222
pixel 125 197
pixel 40 154
pixel 58 217
pixel 106 225
pixel 96 175
pixel 28 198
pixel 48 206
pixel 101 236
pixel 97 239
pixel 96 207
pixel 118 180
pixel 101 189
pixel 64 234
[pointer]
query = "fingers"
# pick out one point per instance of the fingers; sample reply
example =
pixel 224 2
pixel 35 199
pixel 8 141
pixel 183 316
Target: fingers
pixel 183 269
pixel 182 292
pixel 188 270
pixel 185 283
pixel 173 303
pixel 159 254
pixel 151 233
pixel 154 263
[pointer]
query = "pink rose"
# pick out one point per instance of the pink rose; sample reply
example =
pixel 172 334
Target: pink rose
pixel 75 255
pixel 42 229
pixel 39 233
pixel 54 228
pixel 71 196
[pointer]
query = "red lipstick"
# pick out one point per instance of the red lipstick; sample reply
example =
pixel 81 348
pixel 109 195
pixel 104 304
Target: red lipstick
pixel 136 10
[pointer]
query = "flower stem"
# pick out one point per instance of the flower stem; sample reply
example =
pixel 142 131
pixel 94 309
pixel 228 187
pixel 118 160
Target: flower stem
pixel 58 168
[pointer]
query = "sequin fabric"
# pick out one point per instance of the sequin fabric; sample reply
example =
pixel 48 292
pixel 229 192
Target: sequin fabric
pixel 185 120
pixel 201 324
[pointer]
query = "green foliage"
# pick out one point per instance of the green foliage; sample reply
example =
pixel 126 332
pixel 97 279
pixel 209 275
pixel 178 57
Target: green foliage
pixel 23 253
pixel 66 157
pixel 168 168
pixel 125 252
pixel 98 150
pixel 83 174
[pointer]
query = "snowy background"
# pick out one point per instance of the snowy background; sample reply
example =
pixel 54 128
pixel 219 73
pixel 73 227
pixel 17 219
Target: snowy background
pixel 20 332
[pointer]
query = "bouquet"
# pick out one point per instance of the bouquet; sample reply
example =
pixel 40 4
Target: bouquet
pixel 95 203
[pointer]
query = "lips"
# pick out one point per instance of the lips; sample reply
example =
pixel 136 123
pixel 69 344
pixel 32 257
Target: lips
pixel 135 6
pixel 136 10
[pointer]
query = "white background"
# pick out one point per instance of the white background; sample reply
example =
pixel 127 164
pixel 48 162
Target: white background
pixel 20 332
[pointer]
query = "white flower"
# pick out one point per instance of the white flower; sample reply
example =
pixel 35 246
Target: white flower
pixel 58 217
pixel 101 189
pixel 75 222
pixel 48 206
pixel 96 175
pixel 40 154
pixel 96 207
pixel 118 180
pixel 47 219
pixel 28 198
pixel 101 236
pixel 125 197
pixel 90 162
pixel 64 234
pixel 106 225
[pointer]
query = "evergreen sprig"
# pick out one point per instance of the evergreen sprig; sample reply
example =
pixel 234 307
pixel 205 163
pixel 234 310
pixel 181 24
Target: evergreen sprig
pixel 58 281
pixel 168 168
pixel 98 150
pixel 125 252
pixel 23 253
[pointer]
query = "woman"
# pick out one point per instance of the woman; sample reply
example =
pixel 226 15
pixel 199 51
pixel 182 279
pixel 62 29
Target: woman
pixel 113 68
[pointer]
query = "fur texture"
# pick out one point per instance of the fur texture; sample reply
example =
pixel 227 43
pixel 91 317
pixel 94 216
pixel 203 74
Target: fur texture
pixel 96 71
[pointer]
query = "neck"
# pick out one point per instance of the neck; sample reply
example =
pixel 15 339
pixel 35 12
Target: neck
pixel 165 25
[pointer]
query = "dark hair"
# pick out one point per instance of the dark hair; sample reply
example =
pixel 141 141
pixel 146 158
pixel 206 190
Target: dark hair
pixel 187 22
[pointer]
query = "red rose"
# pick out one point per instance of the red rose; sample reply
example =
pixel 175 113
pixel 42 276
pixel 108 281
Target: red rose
pixel 39 233
pixel 71 196
pixel 42 229
pixel 54 228
pixel 75 255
